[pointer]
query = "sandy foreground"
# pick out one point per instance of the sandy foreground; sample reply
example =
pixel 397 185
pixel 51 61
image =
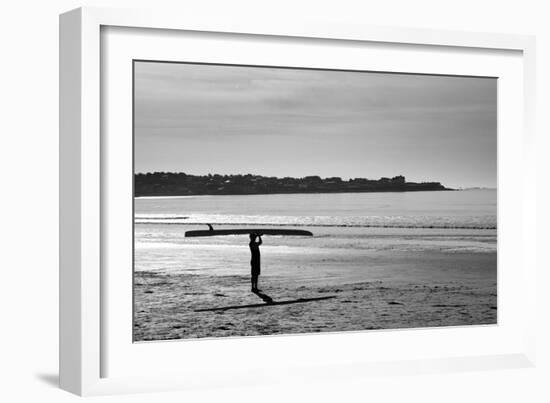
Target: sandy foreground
pixel 422 290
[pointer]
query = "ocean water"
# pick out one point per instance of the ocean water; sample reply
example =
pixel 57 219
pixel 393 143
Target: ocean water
pixel 356 235
pixel 473 209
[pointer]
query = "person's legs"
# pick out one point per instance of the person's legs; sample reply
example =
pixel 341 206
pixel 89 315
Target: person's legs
pixel 256 274
pixel 254 271
pixel 252 280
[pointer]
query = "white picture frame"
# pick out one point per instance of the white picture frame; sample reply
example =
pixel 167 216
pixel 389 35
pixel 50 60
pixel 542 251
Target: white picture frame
pixel 84 340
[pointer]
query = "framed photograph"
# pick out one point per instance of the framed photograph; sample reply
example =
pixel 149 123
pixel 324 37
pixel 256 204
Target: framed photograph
pixel 243 202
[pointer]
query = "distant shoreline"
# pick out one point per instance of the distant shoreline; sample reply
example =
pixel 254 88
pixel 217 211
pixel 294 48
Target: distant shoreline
pixel 163 184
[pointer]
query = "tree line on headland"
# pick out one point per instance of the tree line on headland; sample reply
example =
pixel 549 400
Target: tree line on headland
pixel 181 184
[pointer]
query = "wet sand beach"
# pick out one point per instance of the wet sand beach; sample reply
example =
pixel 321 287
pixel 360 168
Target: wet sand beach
pixel 410 291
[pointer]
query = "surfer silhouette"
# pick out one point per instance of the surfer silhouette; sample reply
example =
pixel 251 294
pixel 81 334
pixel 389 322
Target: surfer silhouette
pixel 255 260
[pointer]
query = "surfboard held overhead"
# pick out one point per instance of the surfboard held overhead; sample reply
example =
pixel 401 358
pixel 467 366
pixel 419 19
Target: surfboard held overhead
pixel 245 231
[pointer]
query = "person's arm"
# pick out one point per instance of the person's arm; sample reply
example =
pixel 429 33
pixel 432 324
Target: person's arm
pixel 260 240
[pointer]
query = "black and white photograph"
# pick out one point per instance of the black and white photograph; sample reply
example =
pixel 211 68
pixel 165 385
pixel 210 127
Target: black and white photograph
pixel 276 200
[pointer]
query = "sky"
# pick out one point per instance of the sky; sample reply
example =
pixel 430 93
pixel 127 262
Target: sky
pixel 202 119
